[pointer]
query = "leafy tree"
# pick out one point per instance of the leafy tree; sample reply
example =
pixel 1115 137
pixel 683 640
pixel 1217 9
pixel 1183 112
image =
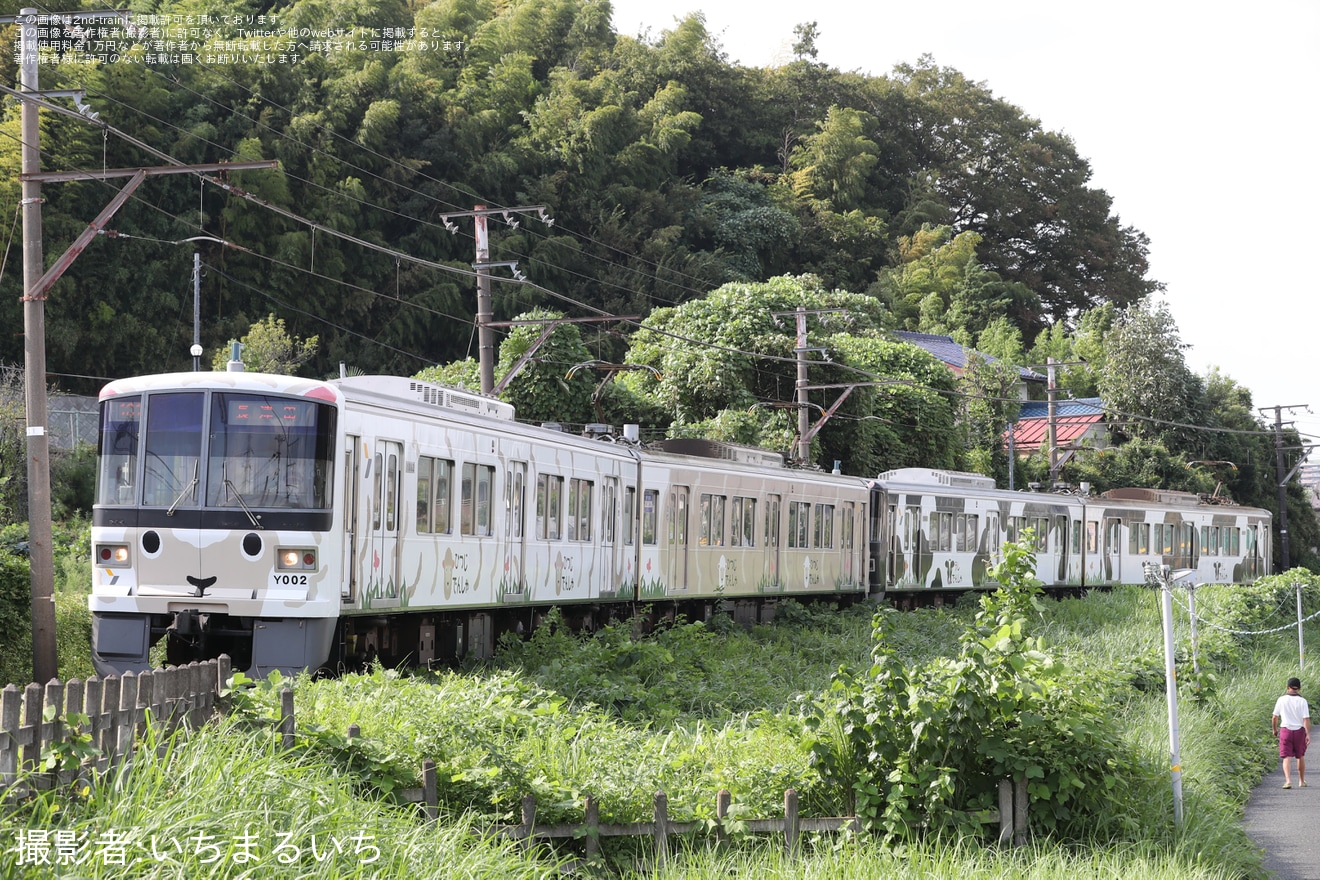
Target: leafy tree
pixel 735 350
pixel 1145 381
pixel 995 172
pixel 269 348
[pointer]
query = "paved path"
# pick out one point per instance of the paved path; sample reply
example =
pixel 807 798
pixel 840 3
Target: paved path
pixel 1283 823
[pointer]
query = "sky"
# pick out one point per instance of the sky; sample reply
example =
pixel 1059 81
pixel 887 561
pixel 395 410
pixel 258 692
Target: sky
pixel 1199 120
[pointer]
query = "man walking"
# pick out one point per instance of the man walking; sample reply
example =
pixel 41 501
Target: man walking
pixel 1292 725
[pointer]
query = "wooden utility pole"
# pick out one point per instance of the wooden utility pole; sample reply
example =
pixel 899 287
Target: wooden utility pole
pixel 483 265
pixel 41 558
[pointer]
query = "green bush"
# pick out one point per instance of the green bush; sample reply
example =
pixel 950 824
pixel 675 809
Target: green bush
pixel 73 481
pixel 917 749
pixel 15 619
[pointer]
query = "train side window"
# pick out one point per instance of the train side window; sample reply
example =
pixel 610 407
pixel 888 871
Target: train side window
pixel 475 499
pixel 1076 527
pixel 549 498
pixel 351 477
pixel 1114 537
pixel 513 503
pixel 1092 537
pixel 1235 535
pixel 824 532
pixel 609 509
pixel 742 529
pixel 392 492
pixel 799 524
pixel 579 509
pixel 1042 526
pixel 629 508
pixel 650 515
pixel 712 521
pixel 423 495
pixel 772 521
pixel 377 488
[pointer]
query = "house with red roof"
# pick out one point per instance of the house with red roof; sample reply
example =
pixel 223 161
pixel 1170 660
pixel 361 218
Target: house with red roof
pixel 1080 425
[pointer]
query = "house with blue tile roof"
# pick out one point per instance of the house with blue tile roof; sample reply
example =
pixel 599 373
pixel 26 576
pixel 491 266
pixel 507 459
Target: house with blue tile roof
pixel 954 356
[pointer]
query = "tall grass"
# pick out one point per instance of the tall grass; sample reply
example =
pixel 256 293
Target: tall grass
pixel 699 708
pixel 221 802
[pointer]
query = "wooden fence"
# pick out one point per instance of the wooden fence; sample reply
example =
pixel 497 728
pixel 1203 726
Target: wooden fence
pixel 113 712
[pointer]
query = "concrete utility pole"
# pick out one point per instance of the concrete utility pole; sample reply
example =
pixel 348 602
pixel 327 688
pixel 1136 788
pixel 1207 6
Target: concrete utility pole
pixel 485 331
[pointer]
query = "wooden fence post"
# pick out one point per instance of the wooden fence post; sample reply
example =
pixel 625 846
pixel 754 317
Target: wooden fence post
pixel 722 801
pixel 591 828
pixel 10 716
pixel 1005 811
pixel 1020 811
pixel 661 829
pixel 429 795
pixel 528 819
pixel 791 826
pixel 286 716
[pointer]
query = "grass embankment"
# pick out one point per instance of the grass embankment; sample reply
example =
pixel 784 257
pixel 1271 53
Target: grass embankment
pixel 692 710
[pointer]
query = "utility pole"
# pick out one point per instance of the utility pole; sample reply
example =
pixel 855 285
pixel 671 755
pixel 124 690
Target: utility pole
pixel 803 384
pixel 1283 475
pixel 485 312
pixel 1052 410
pixel 196 350
pixel 803 397
pixel 41 558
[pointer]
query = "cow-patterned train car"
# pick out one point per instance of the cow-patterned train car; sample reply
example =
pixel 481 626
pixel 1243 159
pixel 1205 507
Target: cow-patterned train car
pixel 942 530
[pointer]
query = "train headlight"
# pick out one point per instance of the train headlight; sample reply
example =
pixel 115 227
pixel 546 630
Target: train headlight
pixel 112 554
pixel 291 559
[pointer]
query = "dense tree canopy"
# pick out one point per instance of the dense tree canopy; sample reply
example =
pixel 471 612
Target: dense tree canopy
pixel 668 171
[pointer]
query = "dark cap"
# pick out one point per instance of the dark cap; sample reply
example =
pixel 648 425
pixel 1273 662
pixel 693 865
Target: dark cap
pixel 1295 684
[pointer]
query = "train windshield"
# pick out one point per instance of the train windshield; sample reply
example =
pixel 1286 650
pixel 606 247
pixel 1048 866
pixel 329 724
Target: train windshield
pixel 240 450
pixel 269 452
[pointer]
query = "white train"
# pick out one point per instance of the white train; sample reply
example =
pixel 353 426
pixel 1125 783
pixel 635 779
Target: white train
pixel 295 524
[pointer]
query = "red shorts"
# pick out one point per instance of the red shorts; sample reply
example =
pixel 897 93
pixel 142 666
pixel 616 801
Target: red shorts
pixel 1292 743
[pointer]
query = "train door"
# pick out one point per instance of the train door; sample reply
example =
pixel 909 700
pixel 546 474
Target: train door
pixel 610 545
pixel 847 528
pixel 1061 547
pixel 352 476
pixel 515 493
pixel 772 505
pixel 678 539
pixel 895 545
pixel 1113 550
pixel 993 545
pixel 385 518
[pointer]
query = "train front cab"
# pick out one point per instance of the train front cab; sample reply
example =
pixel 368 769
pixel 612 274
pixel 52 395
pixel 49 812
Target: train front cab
pixel 214 503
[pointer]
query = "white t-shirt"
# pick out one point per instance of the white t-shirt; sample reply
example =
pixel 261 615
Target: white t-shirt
pixel 1292 711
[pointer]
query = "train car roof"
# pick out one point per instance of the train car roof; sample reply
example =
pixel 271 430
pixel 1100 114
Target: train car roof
pixel 223 380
